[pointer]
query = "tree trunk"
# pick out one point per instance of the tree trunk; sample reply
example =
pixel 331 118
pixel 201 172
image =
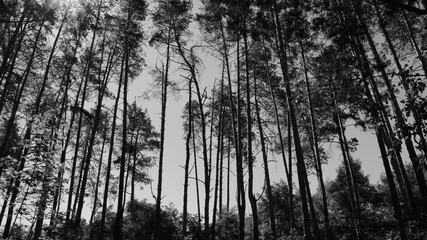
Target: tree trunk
pixel 110 156
pixel 165 83
pixel 196 171
pixel 187 160
pixel 57 194
pixel 98 176
pixel 96 122
pixel 219 153
pixel 236 124
pixel 207 167
pixel 301 170
pixel 117 229
pixel 315 144
pixel 250 159
pixel 132 193
pixel 265 162
pixel 380 134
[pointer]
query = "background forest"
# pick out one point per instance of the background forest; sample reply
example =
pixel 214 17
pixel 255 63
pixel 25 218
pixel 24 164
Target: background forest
pixel 261 80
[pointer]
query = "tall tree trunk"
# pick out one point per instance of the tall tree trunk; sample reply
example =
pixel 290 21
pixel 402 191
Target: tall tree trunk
pixel 207 167
pixel 96 122
pixel 265 162
pixel 221 176
pixel 125 191
pixel 110 156
pixel 79 130
pixel 251 195
pixel 301 170
pixel 219 153
pixel 187 160
pixel 241 201
pixel 78 189
pixel 348 168
pixel 117 230
pixel 165 83
pixel 228 172
pixel 196 171
pixel 98 177
pixel 57 194
pixel 236 122
pixel 132 193
pixel 381 135
pixel 315 144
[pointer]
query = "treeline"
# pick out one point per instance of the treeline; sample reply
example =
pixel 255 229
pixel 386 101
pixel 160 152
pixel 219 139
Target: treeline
pixel 292 75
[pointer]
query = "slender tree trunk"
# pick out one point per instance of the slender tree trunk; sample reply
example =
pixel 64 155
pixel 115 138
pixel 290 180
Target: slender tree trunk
pixel 348 168
pixel 392 186
pixel 57 194
pixel 219 154
pixel 199 221
pixel 282 150
pixel 236 124
pixel 110 156
pixel 314 220
pixel 165 83
pixel 96 122
pixel 117 231
pixel 125 191
pixel 315 144
pixel 251 195
pixel 187 160
pixel 132 193
pixel 301 170
pixel 207 167
pixel 221 175
pixel 381 134
pixel 241 201
pixel 78 189
pixel 265 162
pixel 6 201
pixel 98 176
pixel 228 172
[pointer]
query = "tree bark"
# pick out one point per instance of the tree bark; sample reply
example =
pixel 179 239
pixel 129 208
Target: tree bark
pixel 165 83
pixel 110 156
pixel 265 162
pixel 301 170
pixel 187 160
